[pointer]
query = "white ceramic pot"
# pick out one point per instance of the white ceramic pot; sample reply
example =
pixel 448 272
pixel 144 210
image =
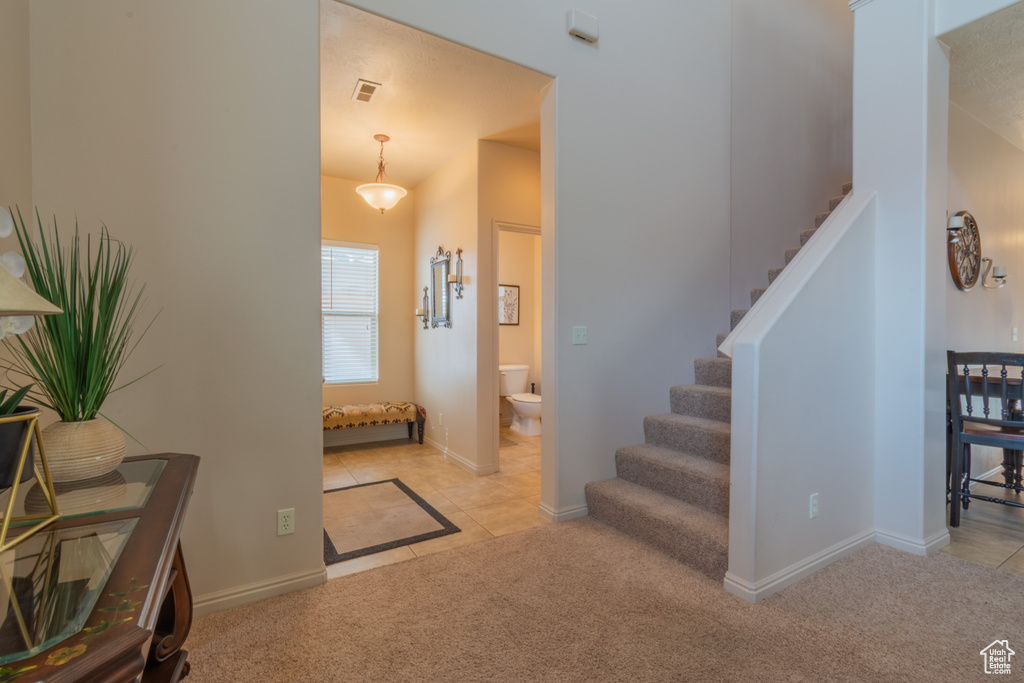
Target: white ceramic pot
pixel 83 450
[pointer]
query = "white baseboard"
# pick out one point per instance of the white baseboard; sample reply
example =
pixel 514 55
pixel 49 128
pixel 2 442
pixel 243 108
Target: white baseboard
pixel 353 435
pixel 464 463
pixel 759 590
pixel 563 514
pixel 916 546
pixel 233 597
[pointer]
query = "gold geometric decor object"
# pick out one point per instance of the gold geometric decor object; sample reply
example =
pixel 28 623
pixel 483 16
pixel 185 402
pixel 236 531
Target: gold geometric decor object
pixel 42 472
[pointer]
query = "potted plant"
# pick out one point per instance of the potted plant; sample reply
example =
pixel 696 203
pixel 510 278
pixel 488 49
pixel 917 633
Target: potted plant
pixel 73 358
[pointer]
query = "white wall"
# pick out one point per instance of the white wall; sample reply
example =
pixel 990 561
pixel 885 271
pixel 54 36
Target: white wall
pixel 446 359
pixel 619 131
pixel 456 369
pixel 792 99
pixel 347 217
pixel 15 105
pixel 191 129
pixel 901 77
pixel 986 175
pixel 819 440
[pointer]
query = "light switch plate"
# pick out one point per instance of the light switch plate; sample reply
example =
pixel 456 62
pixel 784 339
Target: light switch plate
pixel 579 334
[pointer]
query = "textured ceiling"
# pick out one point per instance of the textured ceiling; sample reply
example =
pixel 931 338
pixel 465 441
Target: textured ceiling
pixel 987 71
pixel 436 98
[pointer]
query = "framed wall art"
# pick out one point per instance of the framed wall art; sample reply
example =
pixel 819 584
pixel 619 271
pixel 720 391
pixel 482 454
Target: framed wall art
pixel 508 304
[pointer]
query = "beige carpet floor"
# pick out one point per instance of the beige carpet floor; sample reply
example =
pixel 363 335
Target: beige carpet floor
pixel 578 601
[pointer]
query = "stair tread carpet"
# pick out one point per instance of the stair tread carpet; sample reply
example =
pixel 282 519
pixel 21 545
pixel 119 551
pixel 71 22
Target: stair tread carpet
pixel 689 478
pixel 835 201
pixel 806 235
pixel 820 218
pixel 736 316
pixel 774 273
pixel 689 434
pixel 702 400
pixel 719 338
pixel 756 294
pixel 791 253
pixel 716 372
pixel 696 537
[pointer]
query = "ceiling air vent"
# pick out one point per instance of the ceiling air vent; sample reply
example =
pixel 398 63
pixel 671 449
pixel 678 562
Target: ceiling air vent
pixel 364 90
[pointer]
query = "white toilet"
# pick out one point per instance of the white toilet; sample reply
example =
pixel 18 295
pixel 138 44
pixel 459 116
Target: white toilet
pixel 525 407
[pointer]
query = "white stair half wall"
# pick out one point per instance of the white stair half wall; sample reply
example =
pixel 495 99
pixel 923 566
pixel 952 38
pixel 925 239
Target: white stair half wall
pixel 802 414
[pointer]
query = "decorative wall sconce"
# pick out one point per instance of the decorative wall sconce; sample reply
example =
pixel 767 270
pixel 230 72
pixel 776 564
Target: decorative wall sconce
pixel 380 194
pixel 998 274
pixel 424 313
pixel 456 277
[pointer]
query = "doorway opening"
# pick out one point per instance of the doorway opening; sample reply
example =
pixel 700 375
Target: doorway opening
pixel 464 134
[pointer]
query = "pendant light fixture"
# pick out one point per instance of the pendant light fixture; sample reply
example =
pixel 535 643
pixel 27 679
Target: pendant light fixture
pixel 380 194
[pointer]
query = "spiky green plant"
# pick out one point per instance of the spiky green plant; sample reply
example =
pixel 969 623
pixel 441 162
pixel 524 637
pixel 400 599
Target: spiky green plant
pixel 74 357
pixel 9 405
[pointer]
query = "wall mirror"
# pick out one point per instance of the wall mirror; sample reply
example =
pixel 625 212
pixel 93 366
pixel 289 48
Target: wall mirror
pixel 440 295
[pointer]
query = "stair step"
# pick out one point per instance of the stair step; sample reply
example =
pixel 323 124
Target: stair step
pixel 806 235
pixel 820 218
pixel 774 273
pixel 835 201
pixel 689 478
pixel 691 535
pixel 686 434
pixel 714 372
pixel 791 253
pixel 719 338
pixel 736 316
pixel 701 400
pixel 756 294
pixel 848 187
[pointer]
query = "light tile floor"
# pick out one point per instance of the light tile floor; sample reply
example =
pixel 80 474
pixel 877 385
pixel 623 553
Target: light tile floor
pixel 991 534
pixel 483 507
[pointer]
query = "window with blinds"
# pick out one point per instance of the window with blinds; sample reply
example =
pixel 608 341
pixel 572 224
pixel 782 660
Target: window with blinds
pixel 348 293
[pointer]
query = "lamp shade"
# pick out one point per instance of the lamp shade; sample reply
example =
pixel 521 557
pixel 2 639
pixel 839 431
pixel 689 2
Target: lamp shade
pixel 16 298
pixel 381 195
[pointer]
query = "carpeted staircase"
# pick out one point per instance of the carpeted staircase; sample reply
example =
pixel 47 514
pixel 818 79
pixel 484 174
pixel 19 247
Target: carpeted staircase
pixel 672 491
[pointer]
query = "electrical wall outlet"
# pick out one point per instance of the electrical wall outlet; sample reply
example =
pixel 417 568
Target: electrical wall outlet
pixel 286 522
pixel 814 505
pixel 579 334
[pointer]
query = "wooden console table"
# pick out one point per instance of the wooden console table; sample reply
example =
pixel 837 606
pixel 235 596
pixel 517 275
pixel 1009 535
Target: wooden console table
pixel 102 594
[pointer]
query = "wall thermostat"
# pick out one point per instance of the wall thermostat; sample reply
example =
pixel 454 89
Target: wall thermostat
pixel 583 26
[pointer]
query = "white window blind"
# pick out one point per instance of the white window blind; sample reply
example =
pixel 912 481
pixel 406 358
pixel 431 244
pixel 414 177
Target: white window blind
pixel 348 293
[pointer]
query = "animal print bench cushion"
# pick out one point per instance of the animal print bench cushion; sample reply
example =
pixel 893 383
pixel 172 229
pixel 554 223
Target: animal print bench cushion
pixel 372 414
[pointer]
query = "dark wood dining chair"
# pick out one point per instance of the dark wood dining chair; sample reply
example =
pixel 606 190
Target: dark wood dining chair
pixel 984 395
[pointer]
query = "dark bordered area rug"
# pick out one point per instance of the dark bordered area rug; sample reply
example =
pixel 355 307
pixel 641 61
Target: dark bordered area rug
pixel 370 518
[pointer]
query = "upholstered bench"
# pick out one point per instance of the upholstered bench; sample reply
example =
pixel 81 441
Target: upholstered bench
pixel 375 414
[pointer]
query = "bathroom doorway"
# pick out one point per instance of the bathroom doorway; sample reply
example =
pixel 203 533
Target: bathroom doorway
pixel 518 322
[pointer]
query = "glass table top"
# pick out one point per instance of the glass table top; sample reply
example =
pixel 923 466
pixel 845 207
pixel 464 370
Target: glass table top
pixel 50 583
pixel 126 488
